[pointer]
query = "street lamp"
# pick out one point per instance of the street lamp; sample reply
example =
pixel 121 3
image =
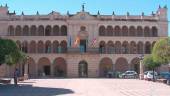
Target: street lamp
pixel 141 75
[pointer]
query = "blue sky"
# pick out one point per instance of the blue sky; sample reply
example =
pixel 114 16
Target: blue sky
pixel 120 7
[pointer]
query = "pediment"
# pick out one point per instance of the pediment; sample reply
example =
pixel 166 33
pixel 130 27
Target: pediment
pixel 83 16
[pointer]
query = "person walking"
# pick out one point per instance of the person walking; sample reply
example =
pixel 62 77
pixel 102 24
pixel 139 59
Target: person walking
pixel 16 73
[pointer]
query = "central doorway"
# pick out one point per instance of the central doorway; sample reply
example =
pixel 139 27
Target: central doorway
pixel 83 69
pixel 83 45
pixel 47 70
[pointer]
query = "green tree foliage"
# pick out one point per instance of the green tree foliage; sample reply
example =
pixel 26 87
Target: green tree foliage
pixel 149 62
pixel 9 52
pixel 161 51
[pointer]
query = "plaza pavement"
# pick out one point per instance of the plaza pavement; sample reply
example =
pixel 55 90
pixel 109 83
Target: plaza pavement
pixel 86 87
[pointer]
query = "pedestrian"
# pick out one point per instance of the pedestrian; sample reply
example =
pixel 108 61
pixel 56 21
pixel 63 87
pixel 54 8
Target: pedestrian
pixel 16 73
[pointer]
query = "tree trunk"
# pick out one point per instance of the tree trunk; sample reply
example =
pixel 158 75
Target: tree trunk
pixel 153 74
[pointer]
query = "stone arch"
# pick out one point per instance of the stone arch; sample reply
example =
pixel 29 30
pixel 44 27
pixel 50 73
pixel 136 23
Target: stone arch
pixel 25 46
pixel 102 31
pixel 32 47
pixel 118 47
pixel 48 30
pixel 31 67
pixel 133 47
pixel 140 48
pixel 56 30
pixel 55 47
pixel 132 31
pixel 40 47
pixel 117 31
pixel 11 31
pixel 147 31
pixel 154 31
pixel 105 66
pixel 41 30
pixel 44 67
pixel 25 30
pixel 33 30
pixel 124 31
pixel 48 47
pixel 63 30
pixel 139 31
pixel 83 69
pixel 125 47
pixel 147 47
pixel 63 46
pixel 102 47
pixel 109 31
pixel 18 31
pixel 135 65
pixel 60 67
pixel 110 47
pixel 121 65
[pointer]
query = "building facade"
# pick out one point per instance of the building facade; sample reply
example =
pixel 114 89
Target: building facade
pixel 82 44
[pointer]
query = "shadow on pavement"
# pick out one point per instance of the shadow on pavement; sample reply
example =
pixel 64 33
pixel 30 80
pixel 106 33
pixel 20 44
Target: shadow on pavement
pixel 29 90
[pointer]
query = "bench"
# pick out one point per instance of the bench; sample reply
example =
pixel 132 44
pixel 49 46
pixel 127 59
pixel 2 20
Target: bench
pixel 161 80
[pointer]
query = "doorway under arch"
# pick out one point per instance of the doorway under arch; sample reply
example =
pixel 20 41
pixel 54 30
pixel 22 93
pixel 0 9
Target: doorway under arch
pixel 83 69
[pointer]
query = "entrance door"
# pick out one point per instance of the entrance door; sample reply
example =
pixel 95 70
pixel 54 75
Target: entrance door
pixel 47 70
pixel 83 69
pixel 83 45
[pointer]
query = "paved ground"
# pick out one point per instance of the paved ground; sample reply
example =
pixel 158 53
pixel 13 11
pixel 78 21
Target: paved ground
pixel 85 87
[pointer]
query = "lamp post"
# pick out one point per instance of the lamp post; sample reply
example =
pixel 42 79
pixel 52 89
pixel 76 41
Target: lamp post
pixel 141 75
pixel 26 68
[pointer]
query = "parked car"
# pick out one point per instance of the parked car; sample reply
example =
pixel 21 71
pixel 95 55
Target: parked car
pixel 148 75
pixel 165 75
pixel 129 74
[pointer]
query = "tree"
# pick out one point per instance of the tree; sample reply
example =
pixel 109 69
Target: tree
pixel 10 53
pixel 150 64
pixel 161 51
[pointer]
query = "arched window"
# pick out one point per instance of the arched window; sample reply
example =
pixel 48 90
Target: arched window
pixel 41 30
pixel 147 32
pixel 118 47
pixel 154 31
pixel 63 30
pixel 48 31
pixel 110 47
pixel 18 31
pixel 139 31
pixel 132 31
pixel 40 47
pixel 124 31
pixel 63 46
pixel 140 48
pixel 117 31
pixel 25 47
pixel 133 48
pixel 125 47
pixel 102 47
pixel 55 47
pixel 109 31
pixel 102 31
pixel 11 30
pixel 26 31
pixel 32 47
pixel 147 48
pixel 56 30
pixel 33 30
pixel 48 47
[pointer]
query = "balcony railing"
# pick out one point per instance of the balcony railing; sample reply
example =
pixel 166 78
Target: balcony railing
pixel 87 50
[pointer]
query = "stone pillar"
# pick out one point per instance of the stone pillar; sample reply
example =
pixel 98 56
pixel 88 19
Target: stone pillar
pixel 141 75
pixel 52 70
pixel 26 71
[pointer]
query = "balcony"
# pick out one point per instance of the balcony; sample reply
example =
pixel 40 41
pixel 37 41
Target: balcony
pixel 79 50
